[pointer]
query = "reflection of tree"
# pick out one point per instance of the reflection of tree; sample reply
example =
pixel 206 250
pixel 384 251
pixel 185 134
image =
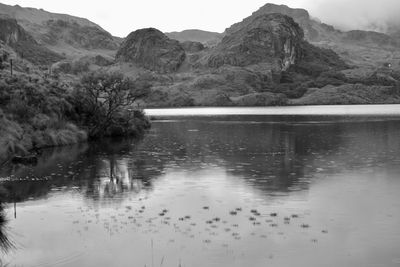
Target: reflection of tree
pixel 102 170
pixel 114 173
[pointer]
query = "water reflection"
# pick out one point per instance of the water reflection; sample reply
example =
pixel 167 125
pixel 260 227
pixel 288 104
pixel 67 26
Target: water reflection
pixel 270 157
pixel 214 189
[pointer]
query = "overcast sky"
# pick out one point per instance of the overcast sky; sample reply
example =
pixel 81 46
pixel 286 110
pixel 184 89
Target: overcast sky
pixel 120 17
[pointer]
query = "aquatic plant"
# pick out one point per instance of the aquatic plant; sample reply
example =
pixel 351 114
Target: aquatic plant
pixel 5 243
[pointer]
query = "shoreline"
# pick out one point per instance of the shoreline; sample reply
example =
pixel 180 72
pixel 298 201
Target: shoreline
pixel 384 110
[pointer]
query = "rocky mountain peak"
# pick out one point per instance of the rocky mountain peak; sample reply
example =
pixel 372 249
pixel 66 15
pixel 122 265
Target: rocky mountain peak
pixel 301 16
pixel 270 38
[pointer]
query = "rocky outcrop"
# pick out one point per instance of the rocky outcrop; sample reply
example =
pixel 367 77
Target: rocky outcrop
pixel 152 50
pixel 274 38
pixel 11 32
pixel 13 35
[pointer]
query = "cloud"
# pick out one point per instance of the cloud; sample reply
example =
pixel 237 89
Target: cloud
pixel 377 15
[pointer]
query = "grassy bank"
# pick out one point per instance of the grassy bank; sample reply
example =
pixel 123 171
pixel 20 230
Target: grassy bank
pixel 44 112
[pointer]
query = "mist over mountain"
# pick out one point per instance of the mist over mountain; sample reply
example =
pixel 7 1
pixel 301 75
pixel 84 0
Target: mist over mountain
pixel 382 16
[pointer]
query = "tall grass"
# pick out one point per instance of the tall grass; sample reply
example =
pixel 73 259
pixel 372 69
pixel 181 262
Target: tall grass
pixel 5 243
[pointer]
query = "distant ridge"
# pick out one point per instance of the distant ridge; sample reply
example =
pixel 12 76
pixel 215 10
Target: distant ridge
pixel 194 35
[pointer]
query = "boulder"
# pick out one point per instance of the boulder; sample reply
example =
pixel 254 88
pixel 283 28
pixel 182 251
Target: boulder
pixel 152 50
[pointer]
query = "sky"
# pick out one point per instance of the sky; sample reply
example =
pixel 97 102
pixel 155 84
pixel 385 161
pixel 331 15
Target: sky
pixel 120 17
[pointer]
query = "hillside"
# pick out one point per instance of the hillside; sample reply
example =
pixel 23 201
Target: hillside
pixel 63 34
pixel 245 68
pixel 357 47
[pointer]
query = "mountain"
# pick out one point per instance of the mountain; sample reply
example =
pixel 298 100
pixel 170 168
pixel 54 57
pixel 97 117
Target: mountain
pixel 61 33
pixel 246 67
pixel 205 37
pixel 280 56
pixel 276 56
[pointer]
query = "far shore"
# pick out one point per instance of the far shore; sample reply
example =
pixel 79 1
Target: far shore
pixel 318 110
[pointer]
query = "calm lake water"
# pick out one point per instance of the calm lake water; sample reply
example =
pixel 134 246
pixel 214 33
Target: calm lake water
pixel 229 190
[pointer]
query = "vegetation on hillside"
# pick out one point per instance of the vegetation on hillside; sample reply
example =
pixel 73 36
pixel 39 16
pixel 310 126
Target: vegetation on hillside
pixel 36 112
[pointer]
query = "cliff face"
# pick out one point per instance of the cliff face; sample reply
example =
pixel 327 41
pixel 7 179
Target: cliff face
pixel 11 32
pixel 152 50
pixel 13 35
pixel 273 38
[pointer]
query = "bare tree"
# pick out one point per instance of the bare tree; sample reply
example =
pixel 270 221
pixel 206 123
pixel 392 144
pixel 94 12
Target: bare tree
pixel 105 98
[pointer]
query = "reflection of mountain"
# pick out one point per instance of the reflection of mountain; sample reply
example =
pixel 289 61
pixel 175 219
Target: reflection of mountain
pixel 274 156
pixel 270 156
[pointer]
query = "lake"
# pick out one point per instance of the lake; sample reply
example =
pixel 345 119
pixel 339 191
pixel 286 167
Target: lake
pixel 251 187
